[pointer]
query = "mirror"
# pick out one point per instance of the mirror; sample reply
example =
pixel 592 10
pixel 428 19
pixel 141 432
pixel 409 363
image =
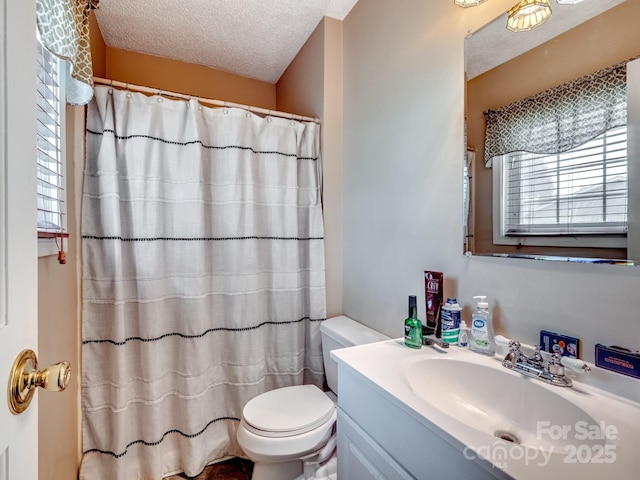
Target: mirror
pixel 502 67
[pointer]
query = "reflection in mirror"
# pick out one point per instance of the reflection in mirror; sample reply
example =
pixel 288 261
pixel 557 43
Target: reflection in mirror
pixel 575 200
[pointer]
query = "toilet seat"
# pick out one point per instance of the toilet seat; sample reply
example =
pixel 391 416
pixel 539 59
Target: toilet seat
pixel 288 411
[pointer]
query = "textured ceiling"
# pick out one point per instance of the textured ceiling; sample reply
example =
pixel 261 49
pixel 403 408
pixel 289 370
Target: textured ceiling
pixel 493 44
pixel 253 38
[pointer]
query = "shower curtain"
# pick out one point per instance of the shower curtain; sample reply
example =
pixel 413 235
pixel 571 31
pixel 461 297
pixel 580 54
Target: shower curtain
pixel 203 278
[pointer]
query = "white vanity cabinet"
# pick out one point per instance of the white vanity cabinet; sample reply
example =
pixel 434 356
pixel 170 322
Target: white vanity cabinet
pixel 433 414
pixel 360 456
pixel 380 439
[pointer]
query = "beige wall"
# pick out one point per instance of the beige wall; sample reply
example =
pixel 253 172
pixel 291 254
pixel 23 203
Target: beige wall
pixel 610 38
pixel 312 86
pixel 181 77
pixel 98 48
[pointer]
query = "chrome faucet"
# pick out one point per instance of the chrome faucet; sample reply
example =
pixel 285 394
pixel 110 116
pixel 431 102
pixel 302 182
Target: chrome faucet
pixel 533 366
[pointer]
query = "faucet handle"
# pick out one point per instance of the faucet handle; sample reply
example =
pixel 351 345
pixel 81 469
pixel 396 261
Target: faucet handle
pixel 536 358
pixel 575 364
pixel 555 359
pixel 555 366
pixel 514 346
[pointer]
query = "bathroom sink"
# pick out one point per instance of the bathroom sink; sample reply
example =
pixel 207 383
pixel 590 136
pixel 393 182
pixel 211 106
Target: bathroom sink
pixel 466 413
pixel 499 402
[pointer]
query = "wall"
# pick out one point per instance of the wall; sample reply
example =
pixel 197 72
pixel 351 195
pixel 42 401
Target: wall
pixel 181 77
pixel 98 48
pixel 59 435
pixel 403 150
pixel 610 38
pixel 312 86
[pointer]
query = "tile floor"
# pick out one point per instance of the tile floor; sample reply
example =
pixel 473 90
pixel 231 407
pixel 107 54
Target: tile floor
pixel 234 469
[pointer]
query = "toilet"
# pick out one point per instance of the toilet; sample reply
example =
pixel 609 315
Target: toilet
pixel 290 433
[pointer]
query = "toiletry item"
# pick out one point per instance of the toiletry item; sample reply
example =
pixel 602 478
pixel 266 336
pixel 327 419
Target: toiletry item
pixel 413 326
pixel 432 341
pixel 463 337
pixel 433 290
pixel 481 332
pixel 450 321
pixel 563 345
pixel 502 345
pixel 618 359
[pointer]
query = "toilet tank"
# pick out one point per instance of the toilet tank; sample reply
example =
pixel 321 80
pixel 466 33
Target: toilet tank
pixel 341 332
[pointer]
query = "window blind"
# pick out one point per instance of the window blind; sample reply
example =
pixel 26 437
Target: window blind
pixel 50 171
pixel 582 191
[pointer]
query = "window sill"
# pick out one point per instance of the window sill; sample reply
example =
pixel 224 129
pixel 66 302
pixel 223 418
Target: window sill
pixel 47 245
pixel 577 241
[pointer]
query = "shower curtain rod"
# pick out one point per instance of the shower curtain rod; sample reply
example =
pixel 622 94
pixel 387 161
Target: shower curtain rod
pixel 207 101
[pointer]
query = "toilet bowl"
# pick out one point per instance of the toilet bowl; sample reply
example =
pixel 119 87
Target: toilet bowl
pixel 281 427
pixel 289 431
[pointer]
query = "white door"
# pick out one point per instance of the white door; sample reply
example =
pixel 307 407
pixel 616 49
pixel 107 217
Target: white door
pixel 18 244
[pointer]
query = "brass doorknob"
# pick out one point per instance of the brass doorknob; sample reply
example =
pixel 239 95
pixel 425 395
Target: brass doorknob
pixel 25 378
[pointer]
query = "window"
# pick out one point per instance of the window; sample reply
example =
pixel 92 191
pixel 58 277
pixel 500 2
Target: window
pixel 582 192
pixel 50 151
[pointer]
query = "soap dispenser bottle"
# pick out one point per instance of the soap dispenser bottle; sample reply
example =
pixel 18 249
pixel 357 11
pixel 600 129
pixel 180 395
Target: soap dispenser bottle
pixel 413 326
pixel 481 331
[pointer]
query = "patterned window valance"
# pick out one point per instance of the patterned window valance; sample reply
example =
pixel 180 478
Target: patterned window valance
pixel 64 31
pixel 560 118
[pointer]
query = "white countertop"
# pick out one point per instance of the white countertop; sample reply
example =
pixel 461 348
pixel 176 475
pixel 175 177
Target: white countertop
pixel 383 365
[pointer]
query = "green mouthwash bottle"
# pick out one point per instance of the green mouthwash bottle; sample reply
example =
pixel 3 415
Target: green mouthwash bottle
pixel 413 326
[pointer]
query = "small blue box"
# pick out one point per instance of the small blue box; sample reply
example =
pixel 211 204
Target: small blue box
pixel 563 345
pixel 618 360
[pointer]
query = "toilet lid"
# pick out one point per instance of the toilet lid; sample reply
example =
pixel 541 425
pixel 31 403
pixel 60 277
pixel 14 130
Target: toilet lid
pixel 288 411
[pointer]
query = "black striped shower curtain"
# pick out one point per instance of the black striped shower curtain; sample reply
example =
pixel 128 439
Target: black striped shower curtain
pixel 203 278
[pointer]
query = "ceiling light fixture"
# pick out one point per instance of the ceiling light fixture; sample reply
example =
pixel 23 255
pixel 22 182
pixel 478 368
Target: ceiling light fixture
pixel 568 2
pixel 469 3
pixel 528 14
